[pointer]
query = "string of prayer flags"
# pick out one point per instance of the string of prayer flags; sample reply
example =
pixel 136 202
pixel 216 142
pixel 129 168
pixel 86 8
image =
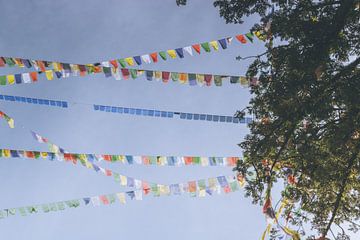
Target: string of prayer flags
pixel 197 188
pixel 8 119
pixel 168 114
pixel 52 147
pixel 191 79
pixel 43 65
pixel 156 160
pixel 38 101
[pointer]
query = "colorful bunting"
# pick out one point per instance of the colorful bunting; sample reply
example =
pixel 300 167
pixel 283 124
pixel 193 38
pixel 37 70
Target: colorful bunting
pixel 42 65
pixel 8 119
pixel 172 161
pixel 125 73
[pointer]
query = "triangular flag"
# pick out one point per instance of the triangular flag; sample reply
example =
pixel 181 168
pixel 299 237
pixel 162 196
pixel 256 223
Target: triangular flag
pixel 241 38
pixel 205 46
pixel 163 55
pixel 250 36
pixel 146 58
pixel 223 43
pixel 154 57
pixel 197 48
pixel 130 61
pixel 180 52
pixel 172 53
pixel 215 45
pixel 122 62
pixel 188 49
pixel 138 60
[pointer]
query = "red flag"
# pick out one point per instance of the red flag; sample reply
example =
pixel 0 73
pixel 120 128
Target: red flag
pixel 154 57
pixel 114 63
pixel 108 172
pixel 197 48
pixel 82 70
pixel 41 65
pixel 145 187
pixel 125 72
pixel 188 160
pixel 2 62
pixel 33 76
pixel 29 154
pixel 107 158
pixel 208 79
pixel 232 161
pixel 104 199
pixel 145 160
pixel 241 38
pixel 165 76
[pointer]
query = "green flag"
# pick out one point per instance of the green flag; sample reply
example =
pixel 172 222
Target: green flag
pixel 133 73
pixel 122 62
pixel 202 184
pixel 218 80
pixel 155 190
pixel 196 160
pixel 163 55
pixel 2 80
pixel 175 76
pixel 250 36
pixel 234 186
pixel 206 46
pixel 111 198
pixel 9 61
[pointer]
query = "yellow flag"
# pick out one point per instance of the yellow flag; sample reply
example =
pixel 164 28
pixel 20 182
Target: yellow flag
pixel 172 53
pixel 215 45
pixel 11 123
pixel 11 79
pixel 121 197
pixel 158 75
pixel 89 165
pixel 44 154
pixel 49 74
pixel 200 79
pixel 6 153
pixel 123 180
pixel 129 61
pixel 202 193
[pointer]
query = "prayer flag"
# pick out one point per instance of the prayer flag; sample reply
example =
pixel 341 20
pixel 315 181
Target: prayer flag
pixel 180 52
pixel 172 53
pixel 2 80
pixel 138 60
pixel 241 38
pixel 122 62
pixel 188 49
pixel 130 61
pixel 11 79
pixel 205 46
pixel 250 36
pixel 223 43
pixel 121 197
pixel 26 77
pixel 154 57
pixel 215 45
pixel 197 48
pixel 146 58
pixel 163 55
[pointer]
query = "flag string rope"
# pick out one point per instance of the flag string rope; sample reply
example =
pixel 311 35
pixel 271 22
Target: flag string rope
pixel 132 111
pixel 184 78
pixel 139 59
pixel 106 199
pixel 147 160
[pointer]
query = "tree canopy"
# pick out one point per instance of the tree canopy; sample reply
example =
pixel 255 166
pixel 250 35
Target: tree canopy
pixel 306 133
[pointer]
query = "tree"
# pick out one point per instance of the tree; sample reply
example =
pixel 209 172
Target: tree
pixel 306 131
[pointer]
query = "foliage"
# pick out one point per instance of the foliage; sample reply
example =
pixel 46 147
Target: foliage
pixel 307 110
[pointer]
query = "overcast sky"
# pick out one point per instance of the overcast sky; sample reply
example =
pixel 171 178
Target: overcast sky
pixel 92 31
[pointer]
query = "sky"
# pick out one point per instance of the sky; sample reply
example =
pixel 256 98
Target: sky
pixel 93 31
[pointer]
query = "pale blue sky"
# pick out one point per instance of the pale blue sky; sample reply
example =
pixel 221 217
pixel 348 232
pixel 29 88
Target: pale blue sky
pixel 90 31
